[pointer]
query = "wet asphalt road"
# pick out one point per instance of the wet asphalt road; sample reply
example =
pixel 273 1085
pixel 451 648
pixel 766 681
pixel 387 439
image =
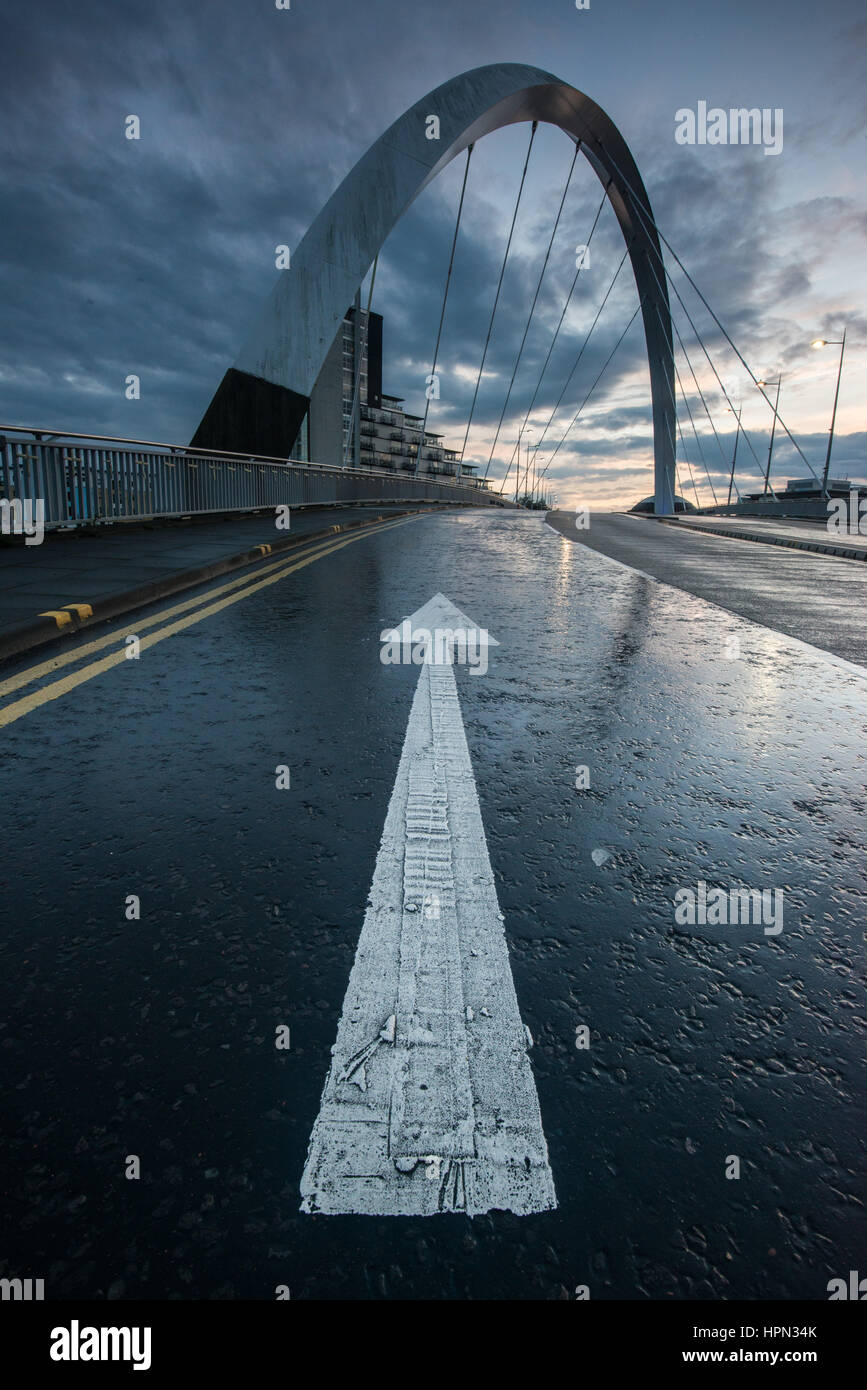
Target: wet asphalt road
pixel 819 598
pixel 88 567
pixel 156 1037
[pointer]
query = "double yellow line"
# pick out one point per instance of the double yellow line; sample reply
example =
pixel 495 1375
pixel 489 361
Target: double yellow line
pixel 214 601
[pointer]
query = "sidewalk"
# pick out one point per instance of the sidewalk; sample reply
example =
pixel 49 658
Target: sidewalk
pixel 121 568
pixel 794 532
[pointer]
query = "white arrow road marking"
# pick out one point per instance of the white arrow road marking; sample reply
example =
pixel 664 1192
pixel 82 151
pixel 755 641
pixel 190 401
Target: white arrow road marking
pixel 430 1103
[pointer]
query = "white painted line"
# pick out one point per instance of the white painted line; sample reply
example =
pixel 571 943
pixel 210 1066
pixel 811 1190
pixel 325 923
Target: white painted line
pixel 430 1103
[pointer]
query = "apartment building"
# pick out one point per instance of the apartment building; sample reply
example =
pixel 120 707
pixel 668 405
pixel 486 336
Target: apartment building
pixel 352 421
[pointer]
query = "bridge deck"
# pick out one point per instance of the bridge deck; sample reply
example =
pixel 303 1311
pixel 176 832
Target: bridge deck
pixel 155 777
pixel 817 598
pixel 70 567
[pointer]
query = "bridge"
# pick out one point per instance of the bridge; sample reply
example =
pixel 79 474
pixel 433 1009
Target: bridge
pixel 390 842
pixel 247 452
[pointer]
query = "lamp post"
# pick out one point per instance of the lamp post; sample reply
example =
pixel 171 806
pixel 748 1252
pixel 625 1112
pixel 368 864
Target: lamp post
pixel 535 469
pixel 841 343
pixel 529 431
pixel 778 384
pixel 737 414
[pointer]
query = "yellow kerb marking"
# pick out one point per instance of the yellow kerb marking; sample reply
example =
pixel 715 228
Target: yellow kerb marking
pixel 60 659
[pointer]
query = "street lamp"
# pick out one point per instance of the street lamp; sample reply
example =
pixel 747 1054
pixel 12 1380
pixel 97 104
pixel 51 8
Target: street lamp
pixel 841 343
pixel 535 470
pixel 529 429
pixel 737 414
pixel 528 478
pixel 778 384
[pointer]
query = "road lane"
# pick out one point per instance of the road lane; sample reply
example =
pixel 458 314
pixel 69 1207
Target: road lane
pixel 206 604
pixel 155 1036
pixel 819 598
pixel 77 566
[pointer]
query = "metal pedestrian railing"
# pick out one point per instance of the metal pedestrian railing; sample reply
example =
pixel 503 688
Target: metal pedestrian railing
pixel 89 479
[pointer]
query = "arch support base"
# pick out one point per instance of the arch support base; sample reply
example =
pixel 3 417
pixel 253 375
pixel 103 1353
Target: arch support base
pixel 249 415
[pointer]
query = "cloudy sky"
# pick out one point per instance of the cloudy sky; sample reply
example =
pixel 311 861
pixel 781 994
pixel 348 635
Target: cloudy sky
pixel 152 256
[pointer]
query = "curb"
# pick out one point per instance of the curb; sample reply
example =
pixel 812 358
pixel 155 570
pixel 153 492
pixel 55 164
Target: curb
pixel 74 617
pixel 794 544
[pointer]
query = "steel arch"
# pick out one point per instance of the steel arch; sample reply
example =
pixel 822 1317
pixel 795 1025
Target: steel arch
pixel 263 398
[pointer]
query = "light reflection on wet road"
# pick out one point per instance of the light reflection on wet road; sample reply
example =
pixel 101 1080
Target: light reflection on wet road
pixel 156 1037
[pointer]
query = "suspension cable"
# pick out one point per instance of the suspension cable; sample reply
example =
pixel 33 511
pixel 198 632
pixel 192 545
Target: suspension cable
pixel 688 464
pixel 780 421
pixel 706 353
pixel 577 359
pixel 499 287
pixel 433 369
pixel 694 484
pixel 695 432
pixel 708 414
pixel 700 392
pixel 645 214
pixel 568 380
pixel 533 305
pixel 686 402
pixel 593 387
pixel 562 316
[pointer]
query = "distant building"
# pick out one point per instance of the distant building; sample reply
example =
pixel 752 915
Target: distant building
pixel 805 489
pixel 384 435
pixel 391 438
